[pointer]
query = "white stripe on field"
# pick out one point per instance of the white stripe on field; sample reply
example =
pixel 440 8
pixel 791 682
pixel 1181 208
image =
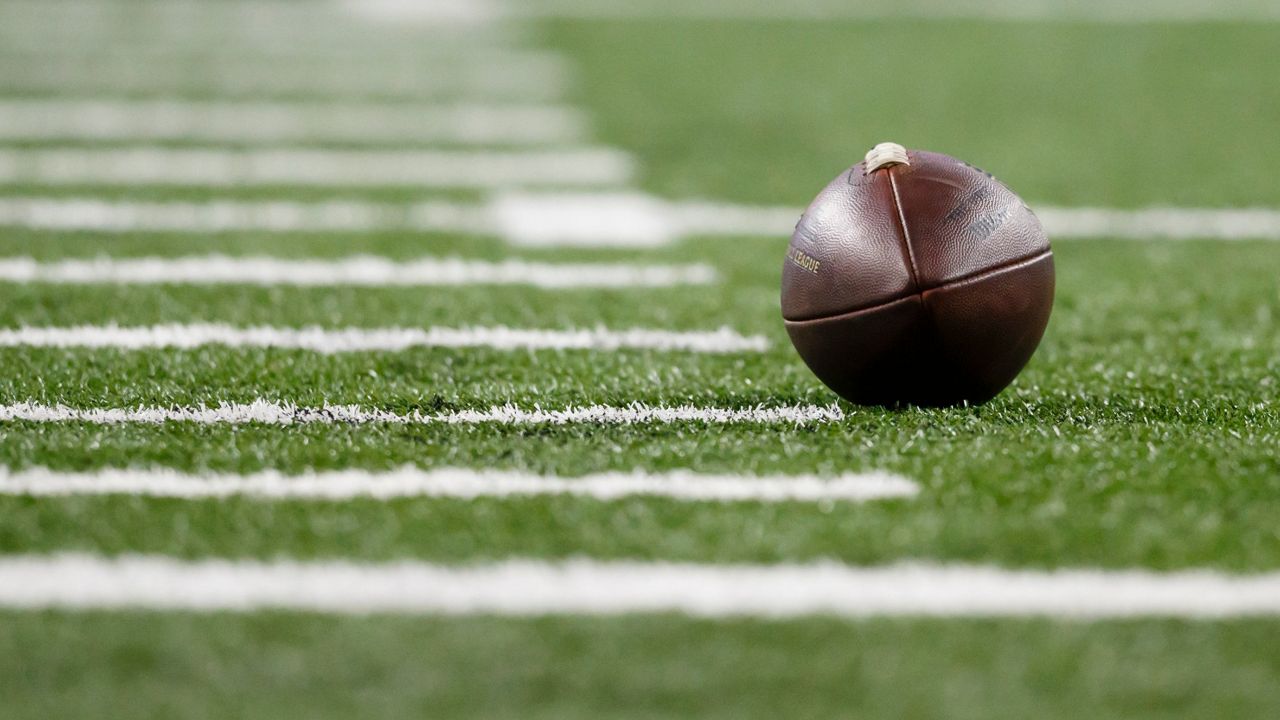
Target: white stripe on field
pixel 254 43
pixel 1160 223
pixel 48 213
pixel 464 13
pixel 440 49
pixel 577 219
pixel 541 77
pixel 456 483
pixel 270 412
pixel 361 270
pixel 626 219
pixel 543 219
pixel 526 587
pixel 160 58
pixel 162 14
pixel 530 219
pixel 324 340
pixel 436 12
pixel 50 119
pixel 367 43
pixel 229 168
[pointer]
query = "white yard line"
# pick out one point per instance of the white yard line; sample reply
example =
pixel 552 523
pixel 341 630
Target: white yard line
pixel 276 14
pixel 325 340
pixel 259 122
pixel 527 587
pixel 626 219
pixel 456 483
pixel 250 42
pixel 360 270
pixel 272 412
pixel 540 77
pixel 49 213
pixel 435 12
pixel 444 49
pixel 586 219
pixel 587 166
pixel 439 52
pixel 395 14
pixel 545 219
pixel 310 28
pixel 1163 223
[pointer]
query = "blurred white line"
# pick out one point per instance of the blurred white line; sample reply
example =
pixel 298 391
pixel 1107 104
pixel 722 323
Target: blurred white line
pixel 523 218
pixel 528 587
pixel 325 340
pixel 54 213
pixel 530 79
pixel 317 168
pixel 51 119
pixel 598 219
pixel 579 219
pixel 370 44
pixel 272 13
pixel 442 50
pixel 123 58
pixel 462 13
pixel 272 412
pixel 1160 223
pixel 433 12
pixel 456 483
pixel 363 270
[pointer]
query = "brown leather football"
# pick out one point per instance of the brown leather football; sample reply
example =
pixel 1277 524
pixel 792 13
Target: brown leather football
pixel 914 278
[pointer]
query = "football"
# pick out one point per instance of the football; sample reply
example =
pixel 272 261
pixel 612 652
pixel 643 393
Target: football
pixel 917 279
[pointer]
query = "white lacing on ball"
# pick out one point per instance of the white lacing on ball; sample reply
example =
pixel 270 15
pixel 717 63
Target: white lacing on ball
pixel 884 154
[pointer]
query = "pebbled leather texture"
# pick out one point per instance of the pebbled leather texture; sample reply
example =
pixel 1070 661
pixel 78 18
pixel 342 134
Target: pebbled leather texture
pixel 961 221
pixel 851 232
pixel 927 284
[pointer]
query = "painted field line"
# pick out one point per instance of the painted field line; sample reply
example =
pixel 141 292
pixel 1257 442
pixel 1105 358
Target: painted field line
pixel 605 219
pixel 551 219
pixel 595 219
pixel 360 270
pixel 121 216
pixel 325 340
pixel 252 42
pixel 438 12
pixel 411 481
pixel 274 14
pixel 528 587
pixel 429 53
pixel 157 166
pixel 499 69
pixel 1096 11
pixel 528 219
pixel 543 80
pixel 259 122
pixel 1167 223
pixel 270 412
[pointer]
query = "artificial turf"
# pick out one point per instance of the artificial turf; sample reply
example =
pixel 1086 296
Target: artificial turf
pixel 175 666
pixel 1144 433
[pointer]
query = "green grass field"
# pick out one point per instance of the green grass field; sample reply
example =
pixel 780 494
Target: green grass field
pixel 1145 433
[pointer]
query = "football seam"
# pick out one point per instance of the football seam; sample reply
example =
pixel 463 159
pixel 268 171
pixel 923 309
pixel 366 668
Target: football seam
pixel 907 252
pixel 976 277
pixel 929 319
pixel 920 294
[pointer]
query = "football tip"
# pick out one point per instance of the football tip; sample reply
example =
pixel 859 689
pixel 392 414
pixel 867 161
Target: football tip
pixel 883 155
